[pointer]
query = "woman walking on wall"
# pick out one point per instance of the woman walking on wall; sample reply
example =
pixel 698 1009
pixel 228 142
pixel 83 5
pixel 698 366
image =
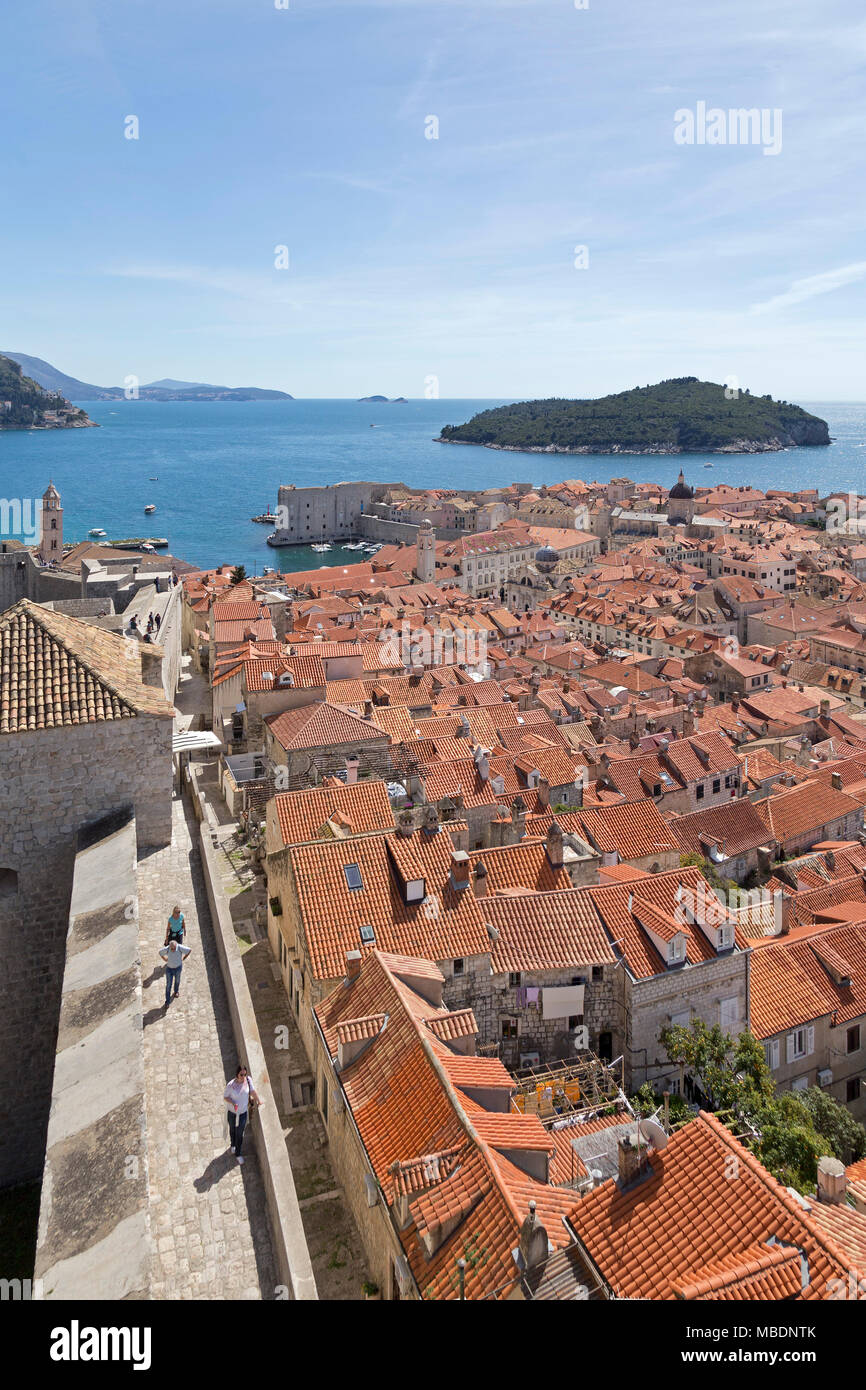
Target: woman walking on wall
pixel 241 1097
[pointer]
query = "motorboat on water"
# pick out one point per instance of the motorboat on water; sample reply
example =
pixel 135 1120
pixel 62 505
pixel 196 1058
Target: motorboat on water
pixel 149 508
pixel 371 549
pixel 96 531
pixel 154 480
pixel 354 545
pixel 325 546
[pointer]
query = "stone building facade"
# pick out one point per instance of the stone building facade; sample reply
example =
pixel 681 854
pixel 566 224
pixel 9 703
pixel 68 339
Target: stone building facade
pixel 55 781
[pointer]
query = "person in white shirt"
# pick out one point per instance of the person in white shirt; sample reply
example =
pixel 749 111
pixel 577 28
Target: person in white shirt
pixel 238 1093
pixel 174 955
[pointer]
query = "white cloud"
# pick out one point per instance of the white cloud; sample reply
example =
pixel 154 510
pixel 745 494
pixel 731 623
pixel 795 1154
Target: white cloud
pixel 811 286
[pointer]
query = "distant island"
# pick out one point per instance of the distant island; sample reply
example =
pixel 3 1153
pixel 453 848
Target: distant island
pixel 26 405
pixel 165 390
pixel 682 415
pixel 382 400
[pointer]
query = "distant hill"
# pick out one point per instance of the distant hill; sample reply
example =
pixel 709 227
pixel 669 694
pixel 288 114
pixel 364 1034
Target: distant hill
pixel 166 390
pixel 682 415
pixel 53 380
pixel 382 400
pixel 26 405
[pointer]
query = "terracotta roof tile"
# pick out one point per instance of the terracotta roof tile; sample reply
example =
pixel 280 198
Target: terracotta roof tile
pixel 459 1023
pixel 670 1231
pixel 304 815
pixel 320 725
pixel 57 671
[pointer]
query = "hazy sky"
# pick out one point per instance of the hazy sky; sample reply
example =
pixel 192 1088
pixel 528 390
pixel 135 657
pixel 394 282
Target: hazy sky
pixel 454 258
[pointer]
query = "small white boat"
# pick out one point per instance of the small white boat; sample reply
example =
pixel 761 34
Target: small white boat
pixel 154 480
pixel 149 508
pixel 96 531
pixel 268 569
pixel 708 465
pixel 321 547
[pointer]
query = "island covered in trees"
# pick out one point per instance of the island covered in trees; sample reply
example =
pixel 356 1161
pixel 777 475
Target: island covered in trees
pixel 682 415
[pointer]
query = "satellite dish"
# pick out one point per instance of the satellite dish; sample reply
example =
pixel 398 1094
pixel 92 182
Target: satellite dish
pixel 652 1132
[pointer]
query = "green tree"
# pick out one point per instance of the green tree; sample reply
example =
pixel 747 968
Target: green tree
pixel 238 574
pixel 792 1129
pixel 833 1122
pixel 710 873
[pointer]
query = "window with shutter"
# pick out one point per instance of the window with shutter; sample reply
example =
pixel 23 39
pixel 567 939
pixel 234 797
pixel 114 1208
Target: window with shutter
pixel 789 1048
pixel 729 1014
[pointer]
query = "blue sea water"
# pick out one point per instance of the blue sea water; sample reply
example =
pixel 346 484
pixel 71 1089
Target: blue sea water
pixel 219 463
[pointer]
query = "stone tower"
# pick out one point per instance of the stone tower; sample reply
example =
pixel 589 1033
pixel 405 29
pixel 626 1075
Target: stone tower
pixel 425 564
pixel 681 501
pixel 51 539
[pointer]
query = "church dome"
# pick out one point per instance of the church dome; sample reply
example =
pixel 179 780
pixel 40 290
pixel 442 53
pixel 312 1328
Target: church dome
pixel 681 489
pixel 546 556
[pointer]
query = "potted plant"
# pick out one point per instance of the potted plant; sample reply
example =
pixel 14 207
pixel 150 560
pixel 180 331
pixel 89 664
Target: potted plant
pixel 371 1291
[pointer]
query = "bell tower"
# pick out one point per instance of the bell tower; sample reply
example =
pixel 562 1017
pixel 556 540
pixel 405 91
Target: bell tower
pixel 51 538
pixel 425 564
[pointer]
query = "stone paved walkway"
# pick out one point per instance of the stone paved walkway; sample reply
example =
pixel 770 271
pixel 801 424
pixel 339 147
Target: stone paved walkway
pixel 210 1232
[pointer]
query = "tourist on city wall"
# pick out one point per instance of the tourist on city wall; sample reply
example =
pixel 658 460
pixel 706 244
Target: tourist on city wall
pixel 241 1097
pixel 174 955
pixel 176 928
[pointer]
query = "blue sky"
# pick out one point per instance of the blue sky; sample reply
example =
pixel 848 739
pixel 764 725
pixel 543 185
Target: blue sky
pixel 453 258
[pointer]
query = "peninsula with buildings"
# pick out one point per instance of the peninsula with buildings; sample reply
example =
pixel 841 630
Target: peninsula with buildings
pixel 682 415
pixel 26 405
pixel 523 862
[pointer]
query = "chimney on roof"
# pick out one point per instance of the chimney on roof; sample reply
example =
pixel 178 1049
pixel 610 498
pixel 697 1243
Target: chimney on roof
pixel 543 792
pixel 353 965
pixel 352 761
pixel 631 1158
pixel 784 909
pixel 479 882
pixel 554 846
pixel 836 781
pixel 533 1240
pixel 832 1184
pixel 459 869
pixel 825 709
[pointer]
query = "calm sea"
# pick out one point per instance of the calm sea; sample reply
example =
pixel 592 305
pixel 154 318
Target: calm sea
pixel 216 464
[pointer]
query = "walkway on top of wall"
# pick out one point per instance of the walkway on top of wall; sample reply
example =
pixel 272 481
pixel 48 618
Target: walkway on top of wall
pixel 209 1222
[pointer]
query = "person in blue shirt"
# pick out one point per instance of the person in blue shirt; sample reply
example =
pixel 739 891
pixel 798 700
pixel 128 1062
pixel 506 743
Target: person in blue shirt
pixel 176 929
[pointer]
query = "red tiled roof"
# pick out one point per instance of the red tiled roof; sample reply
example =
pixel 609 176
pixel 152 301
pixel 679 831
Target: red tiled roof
pixel 303 815
pixel 428 1142
pixel 320 725
pixel 545 931
pixel 446 925
pixel 797 811
pixel 675 1232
